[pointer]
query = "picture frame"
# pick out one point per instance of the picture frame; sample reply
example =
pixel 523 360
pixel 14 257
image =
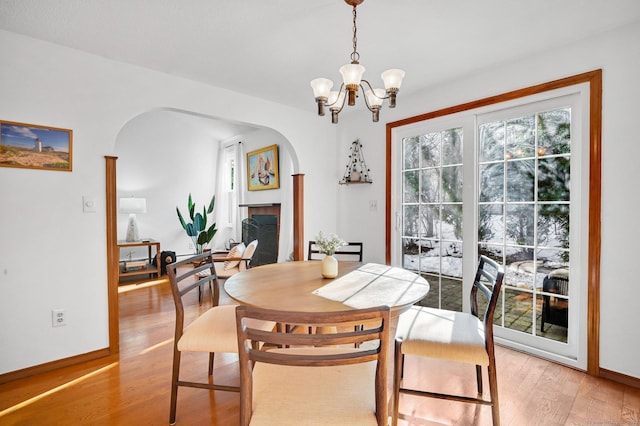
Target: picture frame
pixel 31 146
pixel 262 169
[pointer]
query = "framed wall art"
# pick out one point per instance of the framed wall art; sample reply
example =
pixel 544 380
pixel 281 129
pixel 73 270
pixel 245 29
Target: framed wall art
pixel 35 147
pixel 262 169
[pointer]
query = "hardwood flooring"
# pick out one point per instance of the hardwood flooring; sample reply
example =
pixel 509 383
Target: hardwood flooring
pixel 133 388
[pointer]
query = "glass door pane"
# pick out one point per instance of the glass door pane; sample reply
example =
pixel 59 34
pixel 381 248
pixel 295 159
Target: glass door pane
pixel 523 218
pixel 432 185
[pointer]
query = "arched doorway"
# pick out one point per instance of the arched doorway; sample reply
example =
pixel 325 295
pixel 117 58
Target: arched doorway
pixel 164 155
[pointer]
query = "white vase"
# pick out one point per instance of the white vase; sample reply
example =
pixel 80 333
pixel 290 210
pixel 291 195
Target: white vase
pixel 329 267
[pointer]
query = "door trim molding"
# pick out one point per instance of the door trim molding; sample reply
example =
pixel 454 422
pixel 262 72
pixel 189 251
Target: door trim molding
pixel 112 254
pixel 594 79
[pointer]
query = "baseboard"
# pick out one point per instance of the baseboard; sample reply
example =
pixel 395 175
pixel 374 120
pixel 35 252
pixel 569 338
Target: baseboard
pixel 620 378
pixel 53 365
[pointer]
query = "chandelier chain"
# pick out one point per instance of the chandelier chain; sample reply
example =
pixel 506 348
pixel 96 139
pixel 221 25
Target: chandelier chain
pixel 355 56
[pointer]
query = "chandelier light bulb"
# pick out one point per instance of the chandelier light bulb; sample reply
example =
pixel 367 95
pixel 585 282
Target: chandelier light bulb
pixel 352 74
pixel 392 79
pixel 375 97
pixel 321 88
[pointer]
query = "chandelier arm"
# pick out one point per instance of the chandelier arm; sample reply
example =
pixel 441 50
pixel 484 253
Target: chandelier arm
pixel 335 112
pixel 366 101
pixel 344 99
pixel 371 88
pixel 328 105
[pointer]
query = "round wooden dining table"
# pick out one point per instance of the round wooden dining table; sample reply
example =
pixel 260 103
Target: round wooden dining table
pixel 299 286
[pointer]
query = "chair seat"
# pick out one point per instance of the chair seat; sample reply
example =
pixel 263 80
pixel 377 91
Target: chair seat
pixel 438 333
pixel 214 331
pixel 560 304
pixel 225 273
pixel 220 271
pixel 334 395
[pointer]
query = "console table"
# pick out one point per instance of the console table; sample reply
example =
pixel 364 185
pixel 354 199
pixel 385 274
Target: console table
pixel 130 267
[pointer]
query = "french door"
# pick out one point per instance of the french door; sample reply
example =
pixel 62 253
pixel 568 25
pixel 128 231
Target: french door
pixel 510 182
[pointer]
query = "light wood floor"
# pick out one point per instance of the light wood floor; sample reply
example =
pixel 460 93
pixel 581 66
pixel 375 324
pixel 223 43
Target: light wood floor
pixel 133 389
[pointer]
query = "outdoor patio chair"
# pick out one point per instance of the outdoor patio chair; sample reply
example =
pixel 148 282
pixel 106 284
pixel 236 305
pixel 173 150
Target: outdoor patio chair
pixel 555 310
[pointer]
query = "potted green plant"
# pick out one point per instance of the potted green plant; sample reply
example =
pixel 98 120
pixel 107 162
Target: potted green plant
pixel 197 228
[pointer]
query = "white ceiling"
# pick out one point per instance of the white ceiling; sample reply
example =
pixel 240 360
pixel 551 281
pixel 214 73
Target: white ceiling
pixel 273 48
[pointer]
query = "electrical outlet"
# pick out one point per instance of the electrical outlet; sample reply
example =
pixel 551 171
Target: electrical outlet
pixel 58 318
pixel 373 205
pixel 191 246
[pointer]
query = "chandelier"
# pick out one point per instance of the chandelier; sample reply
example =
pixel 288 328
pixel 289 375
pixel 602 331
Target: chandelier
pixel 352 79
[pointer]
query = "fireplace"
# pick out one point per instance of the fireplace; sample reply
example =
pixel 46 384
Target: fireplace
pixel 263 224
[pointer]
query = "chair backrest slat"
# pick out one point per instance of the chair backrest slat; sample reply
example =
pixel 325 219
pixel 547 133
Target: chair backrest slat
pixel 555 284
pixel 352 251
pixel 321 360
pixel 356 335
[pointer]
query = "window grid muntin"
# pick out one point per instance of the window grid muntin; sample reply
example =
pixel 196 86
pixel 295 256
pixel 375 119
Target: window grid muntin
pixel 535 247
pixel 437 240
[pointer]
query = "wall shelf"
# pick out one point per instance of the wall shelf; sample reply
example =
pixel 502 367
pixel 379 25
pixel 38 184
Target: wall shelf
pixel 356 170
pixel 353 183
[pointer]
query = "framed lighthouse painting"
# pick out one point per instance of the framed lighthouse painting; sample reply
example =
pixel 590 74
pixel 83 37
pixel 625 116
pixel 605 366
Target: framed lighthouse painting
pixel 32 146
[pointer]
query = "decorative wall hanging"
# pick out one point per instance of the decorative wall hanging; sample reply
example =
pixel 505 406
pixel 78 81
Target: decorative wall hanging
pixel 262 169
pixel 356 170
pixel 35 147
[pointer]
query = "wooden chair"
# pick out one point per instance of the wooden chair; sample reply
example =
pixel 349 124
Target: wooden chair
pixel 555 310
pixel 239 265
pixel 314 379
pixel 352 251
pixel 455 336
pixel 237 260
pixel 213 331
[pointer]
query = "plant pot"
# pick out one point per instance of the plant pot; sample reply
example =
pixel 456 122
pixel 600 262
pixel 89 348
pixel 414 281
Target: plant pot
pixel 329 267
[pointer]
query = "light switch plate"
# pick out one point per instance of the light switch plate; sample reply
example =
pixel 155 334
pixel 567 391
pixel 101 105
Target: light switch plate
pixel 88 204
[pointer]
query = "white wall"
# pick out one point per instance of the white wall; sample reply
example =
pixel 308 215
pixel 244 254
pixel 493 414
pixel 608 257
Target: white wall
pixel 54 256
pixel 164 156
pixel 618 54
